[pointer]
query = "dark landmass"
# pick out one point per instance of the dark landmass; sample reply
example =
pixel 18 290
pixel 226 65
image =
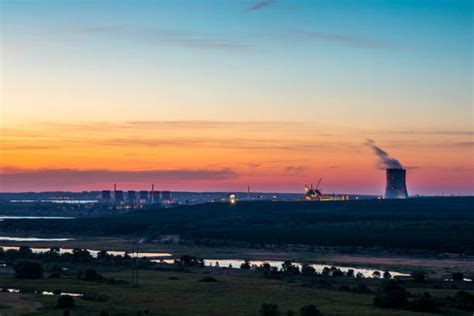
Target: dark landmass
pixel 431 224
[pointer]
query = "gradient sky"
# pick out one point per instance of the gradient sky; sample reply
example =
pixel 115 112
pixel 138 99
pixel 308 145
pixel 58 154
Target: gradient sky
pixel 217 95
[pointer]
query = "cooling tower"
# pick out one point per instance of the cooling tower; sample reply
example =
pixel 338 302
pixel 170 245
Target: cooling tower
pixel 396 184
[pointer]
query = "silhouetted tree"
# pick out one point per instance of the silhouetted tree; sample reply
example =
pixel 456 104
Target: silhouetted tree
pixel 418 276
pixel 65 301
pixel 457 276
pixel 269 310
pixel 376 274
pixel 92 275
pixel 391 295
pixel 290 268
pixel 387 275
pixel 309 310
pixel 306 269
pixel 245 265
pixel 28 270
pixel 424 303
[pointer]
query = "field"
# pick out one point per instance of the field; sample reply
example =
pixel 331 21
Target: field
pixel 181 293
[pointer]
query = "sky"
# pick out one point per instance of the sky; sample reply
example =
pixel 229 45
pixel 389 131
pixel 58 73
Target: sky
pixel 218 95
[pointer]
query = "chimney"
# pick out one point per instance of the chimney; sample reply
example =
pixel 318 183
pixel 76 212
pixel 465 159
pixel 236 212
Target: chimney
pixel 396 184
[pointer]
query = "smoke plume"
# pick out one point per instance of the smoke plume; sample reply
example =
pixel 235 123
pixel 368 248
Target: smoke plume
pixel 385 160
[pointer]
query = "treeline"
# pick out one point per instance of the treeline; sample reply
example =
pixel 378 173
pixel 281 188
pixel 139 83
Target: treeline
pixel 433 224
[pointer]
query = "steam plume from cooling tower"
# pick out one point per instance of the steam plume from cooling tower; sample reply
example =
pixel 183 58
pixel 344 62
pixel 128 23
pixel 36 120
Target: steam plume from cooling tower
pixel 385 160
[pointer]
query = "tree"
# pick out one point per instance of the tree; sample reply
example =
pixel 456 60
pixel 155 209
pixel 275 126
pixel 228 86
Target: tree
pixel 376 274
pixel 387 275
pixel 391 295
pixel 92 275
pixel 65 301
pixel 290 268
pixel 457 276
pixel 424 303
pixel 350 273
pixel 306 269
pixel 269 310
pixel 309 310
pixel 418 276
pixel 245 265
pixel 28 270
pixel 102 255
pixel 25 251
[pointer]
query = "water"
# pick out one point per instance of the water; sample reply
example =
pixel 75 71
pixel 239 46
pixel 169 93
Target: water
pixel 7 238
pixel 56 201
pixel 4 217
pixel 94 252
pixel 46 293
pixel 235 263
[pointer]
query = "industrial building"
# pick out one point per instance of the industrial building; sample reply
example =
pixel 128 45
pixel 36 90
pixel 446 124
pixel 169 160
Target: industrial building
pixel 136 198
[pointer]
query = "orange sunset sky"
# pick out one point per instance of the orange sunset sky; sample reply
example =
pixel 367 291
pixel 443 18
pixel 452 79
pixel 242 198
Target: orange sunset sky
pixel 220 95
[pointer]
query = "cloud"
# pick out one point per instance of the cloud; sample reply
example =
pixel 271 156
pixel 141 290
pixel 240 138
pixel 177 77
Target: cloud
pixel 350 40
pixel 15 178
pixel 296 169
pixel 155 36
pixel 259 5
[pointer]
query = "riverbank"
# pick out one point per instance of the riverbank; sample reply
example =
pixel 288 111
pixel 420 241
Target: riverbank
pixel 436 266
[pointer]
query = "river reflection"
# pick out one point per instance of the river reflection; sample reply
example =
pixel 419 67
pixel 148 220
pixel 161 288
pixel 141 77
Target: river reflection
pixel 94 252
pixel 235 264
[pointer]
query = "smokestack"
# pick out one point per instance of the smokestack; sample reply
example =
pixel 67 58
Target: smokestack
pixel 396 184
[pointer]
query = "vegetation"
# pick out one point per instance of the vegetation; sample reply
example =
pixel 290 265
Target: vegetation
pixel 433 224
pixel 65 301
pixel 28 270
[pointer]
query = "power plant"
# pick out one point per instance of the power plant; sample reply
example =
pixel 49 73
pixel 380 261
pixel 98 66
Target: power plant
pixel 135 198
pixel 396 187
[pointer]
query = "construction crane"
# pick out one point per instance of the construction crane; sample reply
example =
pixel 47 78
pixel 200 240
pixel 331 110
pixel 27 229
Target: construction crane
pixel 313 193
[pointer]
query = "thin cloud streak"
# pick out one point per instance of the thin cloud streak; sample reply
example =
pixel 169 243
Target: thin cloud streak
pixel 13 178
pixel 260 5
pixel 346 39
pixel 152 36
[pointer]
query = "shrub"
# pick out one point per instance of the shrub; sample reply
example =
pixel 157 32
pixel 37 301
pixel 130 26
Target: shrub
pixel 28 270
pixel 208 279
pixel 54 275
pixel 65 301
pixel 344 287
pixel 462 300
pixel 91 275
pixel 269 310
pixel 391 295
pixel 418 276
pixel 309 310
pixel 424 303
pixel 363 288
pixel 457 276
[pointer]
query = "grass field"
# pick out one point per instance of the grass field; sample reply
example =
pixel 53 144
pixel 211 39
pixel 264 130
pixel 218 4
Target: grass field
pixel 235 293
